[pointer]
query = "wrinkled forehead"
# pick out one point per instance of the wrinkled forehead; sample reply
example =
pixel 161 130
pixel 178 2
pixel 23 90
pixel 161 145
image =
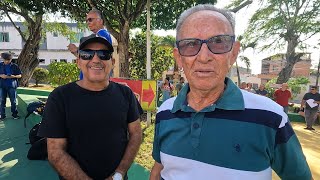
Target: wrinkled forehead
pixel 205 22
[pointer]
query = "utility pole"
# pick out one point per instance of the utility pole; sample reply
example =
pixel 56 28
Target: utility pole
pixel 148 64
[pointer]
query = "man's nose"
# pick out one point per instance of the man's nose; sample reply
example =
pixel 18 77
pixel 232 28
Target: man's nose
pixel 204 53
pixel 95 57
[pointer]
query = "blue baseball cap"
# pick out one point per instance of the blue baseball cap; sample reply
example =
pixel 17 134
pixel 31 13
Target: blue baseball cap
pixel 102 36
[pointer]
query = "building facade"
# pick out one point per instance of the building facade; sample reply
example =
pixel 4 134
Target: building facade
pixel 271 67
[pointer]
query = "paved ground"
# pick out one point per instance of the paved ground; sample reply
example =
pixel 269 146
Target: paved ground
pixel 310 141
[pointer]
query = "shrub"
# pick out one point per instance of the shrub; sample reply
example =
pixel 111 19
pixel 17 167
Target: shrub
pixel 61 73
pixel 40 75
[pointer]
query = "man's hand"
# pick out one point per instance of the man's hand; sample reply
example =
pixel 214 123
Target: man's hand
pixel 72 48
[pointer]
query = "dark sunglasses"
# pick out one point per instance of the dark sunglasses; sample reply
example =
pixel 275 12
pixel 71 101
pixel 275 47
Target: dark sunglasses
pixel 313 89
pixel 217 45
pixel 91 19
pixel 88 54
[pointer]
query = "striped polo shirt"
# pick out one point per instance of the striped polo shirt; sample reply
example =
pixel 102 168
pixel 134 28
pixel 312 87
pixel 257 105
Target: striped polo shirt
pixel 241 136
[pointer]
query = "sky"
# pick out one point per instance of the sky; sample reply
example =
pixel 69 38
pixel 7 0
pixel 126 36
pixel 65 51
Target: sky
pixel 242 18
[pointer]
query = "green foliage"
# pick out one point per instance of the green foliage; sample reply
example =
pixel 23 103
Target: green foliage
pixel 40 75
pixel 278 22
pixel 61 73
pixel 295 85
pixel 161 57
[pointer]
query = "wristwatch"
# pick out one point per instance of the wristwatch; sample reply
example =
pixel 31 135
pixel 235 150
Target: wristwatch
pixel 117 176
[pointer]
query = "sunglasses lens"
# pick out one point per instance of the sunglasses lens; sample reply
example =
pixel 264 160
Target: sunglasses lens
pixel 220 44
pixel 89 54
pixel 189 47
pixel 86 55
pixel 103 54
pixel 217 45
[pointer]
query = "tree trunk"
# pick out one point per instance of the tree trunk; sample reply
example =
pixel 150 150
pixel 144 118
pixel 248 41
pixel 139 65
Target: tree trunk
pixel 28 58
pixel 124 51
pixel 291 58
pixel 285 73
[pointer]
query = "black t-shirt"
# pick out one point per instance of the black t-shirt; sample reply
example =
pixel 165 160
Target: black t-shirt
pixel 94 123
pixel 315 97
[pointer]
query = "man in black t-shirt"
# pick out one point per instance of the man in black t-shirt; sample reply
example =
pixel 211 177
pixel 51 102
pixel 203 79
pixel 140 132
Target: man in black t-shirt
pixel 311 102
pixel 92 125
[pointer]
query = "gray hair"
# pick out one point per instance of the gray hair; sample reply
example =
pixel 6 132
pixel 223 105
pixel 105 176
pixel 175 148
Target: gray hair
pixel 96 11
pixel 203 7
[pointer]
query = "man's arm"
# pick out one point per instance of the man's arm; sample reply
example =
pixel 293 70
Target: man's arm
pixel 64 164
pixel 14 76
pixel 275 94
pixel 303 102
pixel 73 49
pixel 135 139
pixel 155 172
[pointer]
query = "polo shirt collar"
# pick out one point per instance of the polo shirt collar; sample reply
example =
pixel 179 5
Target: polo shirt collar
pixel 231 99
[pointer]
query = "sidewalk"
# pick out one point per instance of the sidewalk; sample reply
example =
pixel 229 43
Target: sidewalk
pixel 310 142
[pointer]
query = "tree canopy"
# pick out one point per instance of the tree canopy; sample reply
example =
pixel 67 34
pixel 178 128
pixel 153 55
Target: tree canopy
pixel 161 60
pixel 284 23
pixel 121 16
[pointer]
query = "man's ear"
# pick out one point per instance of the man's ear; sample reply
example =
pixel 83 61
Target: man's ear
pixel 78 62
pixel 177 57
pixel 234 52
pixel 113 61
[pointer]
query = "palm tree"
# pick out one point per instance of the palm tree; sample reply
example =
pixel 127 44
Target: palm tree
pixel 243 58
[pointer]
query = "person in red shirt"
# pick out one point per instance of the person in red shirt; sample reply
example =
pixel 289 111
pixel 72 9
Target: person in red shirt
pixel 282 96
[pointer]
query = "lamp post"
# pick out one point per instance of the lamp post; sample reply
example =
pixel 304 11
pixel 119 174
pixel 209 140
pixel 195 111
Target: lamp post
pixel 148 64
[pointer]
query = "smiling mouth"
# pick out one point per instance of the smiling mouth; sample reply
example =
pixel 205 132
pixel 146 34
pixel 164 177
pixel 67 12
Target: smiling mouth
pixel 96 68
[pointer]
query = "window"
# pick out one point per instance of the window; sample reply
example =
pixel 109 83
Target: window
pixel 42 61
pixel 74 61
pixel 4 37
pixel 53 60
pixel 55 34
pixel 77 38
pixel 63 60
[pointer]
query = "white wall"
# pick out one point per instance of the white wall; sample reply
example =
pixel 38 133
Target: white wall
pixel 15 40
pixel 47 55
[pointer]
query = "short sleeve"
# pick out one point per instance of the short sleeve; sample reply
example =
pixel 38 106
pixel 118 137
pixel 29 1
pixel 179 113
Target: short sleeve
pixel 135 109
pixel 156 144
pixel 53 123
pixel 289 161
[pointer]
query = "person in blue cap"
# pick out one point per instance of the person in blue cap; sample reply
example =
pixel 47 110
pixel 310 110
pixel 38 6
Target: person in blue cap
pixel 95 23
pixel 92 125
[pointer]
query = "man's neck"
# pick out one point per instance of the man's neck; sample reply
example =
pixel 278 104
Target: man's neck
pixel 199 99
pixel 93 86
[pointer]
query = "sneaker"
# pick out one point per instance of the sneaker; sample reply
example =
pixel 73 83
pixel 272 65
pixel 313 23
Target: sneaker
pixel 15 116
pixel 311 128
pixel 2 118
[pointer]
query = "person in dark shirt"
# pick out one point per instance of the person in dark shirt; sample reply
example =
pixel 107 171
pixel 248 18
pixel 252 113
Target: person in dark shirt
pixel 310 102
pixel 262 91
pixel 92 125
pixel 9 74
